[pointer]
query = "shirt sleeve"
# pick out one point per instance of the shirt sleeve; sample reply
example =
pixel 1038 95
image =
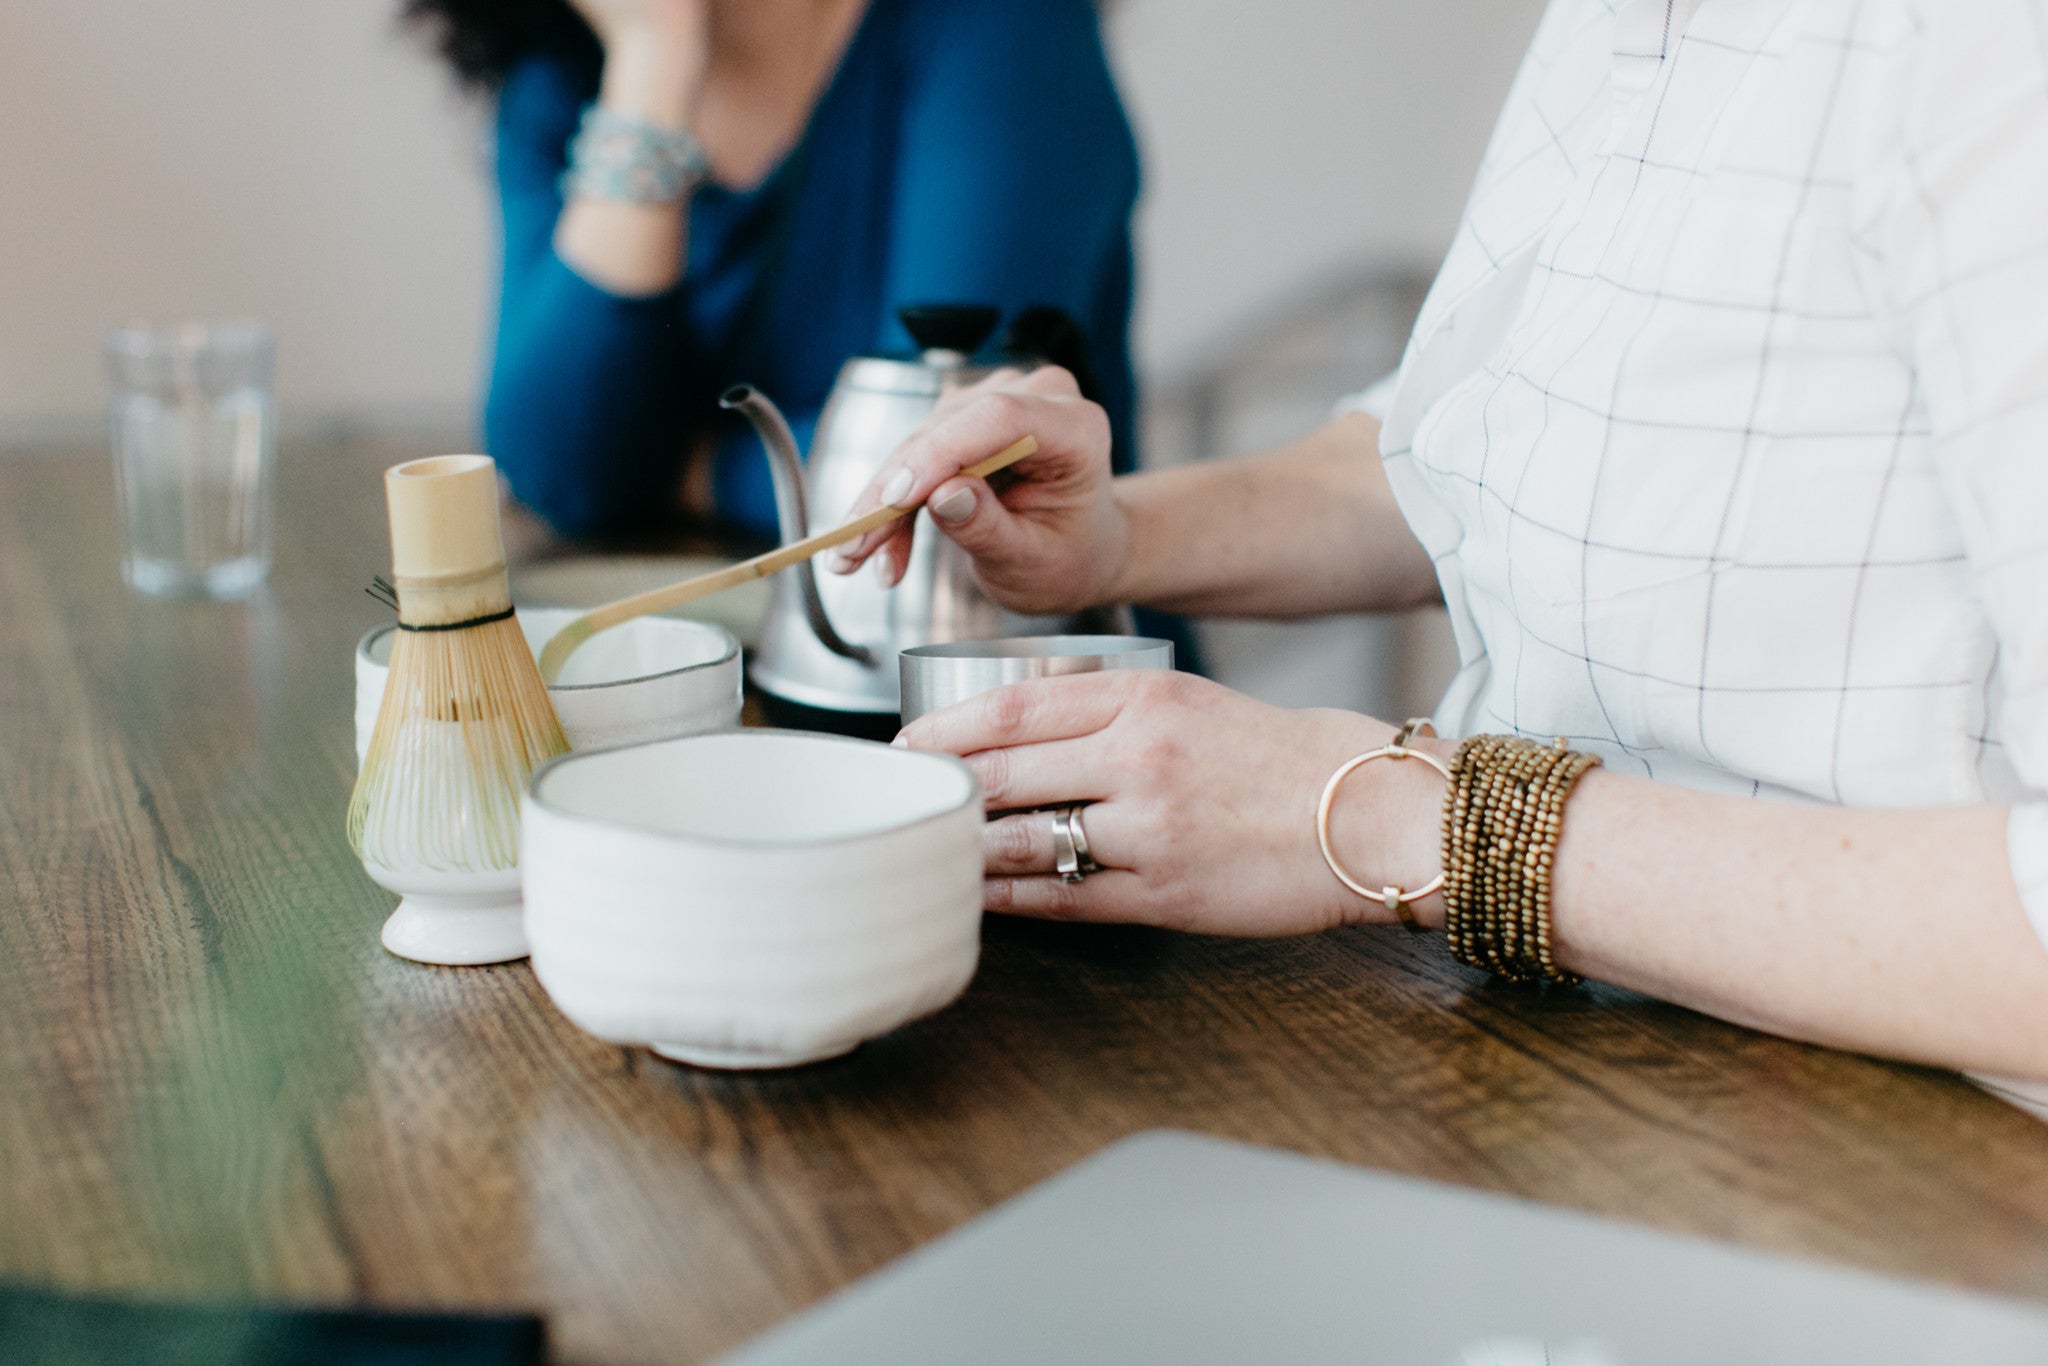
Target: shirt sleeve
pixel 1956 233
pixel 1376 400
pixel 581 414
pixel 1017 171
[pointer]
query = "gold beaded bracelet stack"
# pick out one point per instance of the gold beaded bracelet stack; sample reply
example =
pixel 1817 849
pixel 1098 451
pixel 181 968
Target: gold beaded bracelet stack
pixel 1503 816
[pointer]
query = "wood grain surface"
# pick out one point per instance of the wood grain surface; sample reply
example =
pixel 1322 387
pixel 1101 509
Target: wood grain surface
pixel 214 1082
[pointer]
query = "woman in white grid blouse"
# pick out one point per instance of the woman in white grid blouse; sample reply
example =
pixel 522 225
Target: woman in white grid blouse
pixel 1724 437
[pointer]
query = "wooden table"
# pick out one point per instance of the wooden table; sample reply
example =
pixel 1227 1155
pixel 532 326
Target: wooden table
pixel 214 1082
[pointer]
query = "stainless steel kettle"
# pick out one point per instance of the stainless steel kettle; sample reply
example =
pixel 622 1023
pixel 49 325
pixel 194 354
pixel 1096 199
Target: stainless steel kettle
pixel 830 643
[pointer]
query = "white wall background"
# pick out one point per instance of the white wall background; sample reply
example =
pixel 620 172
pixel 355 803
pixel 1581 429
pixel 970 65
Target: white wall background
pixel 292 160
pixel 303 163
pixel 1288 139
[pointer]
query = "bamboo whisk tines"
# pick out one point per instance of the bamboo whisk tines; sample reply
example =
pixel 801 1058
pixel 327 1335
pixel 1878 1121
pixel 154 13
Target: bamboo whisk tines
pixel 465 718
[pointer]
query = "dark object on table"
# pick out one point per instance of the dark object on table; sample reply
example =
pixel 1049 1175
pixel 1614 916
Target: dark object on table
pixel 1045 333
pixel 956 328
pixel 46 1328
pixel 784 714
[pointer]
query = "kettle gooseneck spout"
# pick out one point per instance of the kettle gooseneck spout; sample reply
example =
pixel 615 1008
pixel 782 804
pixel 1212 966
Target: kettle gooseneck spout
pixel 790 512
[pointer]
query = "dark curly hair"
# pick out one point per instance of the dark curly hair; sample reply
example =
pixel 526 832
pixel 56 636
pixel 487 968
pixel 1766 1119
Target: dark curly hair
pixel 484 39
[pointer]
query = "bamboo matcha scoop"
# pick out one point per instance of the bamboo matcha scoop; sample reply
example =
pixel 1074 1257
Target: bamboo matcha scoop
pixel 570 637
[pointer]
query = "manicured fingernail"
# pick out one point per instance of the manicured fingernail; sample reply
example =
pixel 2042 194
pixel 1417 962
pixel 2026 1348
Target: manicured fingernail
pixel 901 742
pixel 956 506
pixel 842 563
pixel 898 488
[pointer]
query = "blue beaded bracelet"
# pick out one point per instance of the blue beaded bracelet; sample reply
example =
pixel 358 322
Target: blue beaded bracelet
pixel 617 156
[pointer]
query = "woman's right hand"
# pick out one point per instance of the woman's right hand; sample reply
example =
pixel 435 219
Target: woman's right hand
pixel 1054 540
pixel 655 54
pixel 614 21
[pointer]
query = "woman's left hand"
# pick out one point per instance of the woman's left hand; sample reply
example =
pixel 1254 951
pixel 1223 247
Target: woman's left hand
pixel 1201 803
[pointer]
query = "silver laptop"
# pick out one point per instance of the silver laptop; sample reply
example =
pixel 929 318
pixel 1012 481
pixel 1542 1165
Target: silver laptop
pixel 1175 1248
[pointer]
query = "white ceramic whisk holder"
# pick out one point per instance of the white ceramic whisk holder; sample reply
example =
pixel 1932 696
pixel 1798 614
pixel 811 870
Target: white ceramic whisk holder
pixel 649 679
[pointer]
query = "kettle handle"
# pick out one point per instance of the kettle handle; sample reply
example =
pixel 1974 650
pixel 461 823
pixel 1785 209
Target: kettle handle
pixel 790 511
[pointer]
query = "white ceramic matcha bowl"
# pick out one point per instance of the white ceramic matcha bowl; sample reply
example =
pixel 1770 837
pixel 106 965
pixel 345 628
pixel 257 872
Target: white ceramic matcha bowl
pixel 644 680
pixel 752 898
pixel 641 680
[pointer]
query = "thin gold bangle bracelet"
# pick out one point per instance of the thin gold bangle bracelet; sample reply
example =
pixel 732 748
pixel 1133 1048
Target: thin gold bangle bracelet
pixel 1397 901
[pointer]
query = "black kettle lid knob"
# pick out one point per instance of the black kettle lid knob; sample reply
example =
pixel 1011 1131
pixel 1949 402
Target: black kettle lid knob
pixel 949 327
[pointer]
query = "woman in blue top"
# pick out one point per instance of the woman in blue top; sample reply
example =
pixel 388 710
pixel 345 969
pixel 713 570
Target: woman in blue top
pixel 755 188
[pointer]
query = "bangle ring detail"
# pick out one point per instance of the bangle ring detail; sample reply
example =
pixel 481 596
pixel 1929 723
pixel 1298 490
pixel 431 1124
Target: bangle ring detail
pixel 1396 900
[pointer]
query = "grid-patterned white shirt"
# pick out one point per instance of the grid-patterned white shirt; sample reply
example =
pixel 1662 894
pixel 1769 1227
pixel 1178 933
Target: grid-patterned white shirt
pixel 1726 421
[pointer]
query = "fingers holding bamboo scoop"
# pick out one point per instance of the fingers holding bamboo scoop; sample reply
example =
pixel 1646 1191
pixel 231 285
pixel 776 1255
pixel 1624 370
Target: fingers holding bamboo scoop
pixel 566 641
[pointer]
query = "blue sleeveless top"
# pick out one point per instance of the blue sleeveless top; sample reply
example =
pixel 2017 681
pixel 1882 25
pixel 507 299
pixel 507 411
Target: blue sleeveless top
pixel 966 151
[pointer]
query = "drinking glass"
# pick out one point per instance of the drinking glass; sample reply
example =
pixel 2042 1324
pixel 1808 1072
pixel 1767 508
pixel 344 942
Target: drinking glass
pixel 194 432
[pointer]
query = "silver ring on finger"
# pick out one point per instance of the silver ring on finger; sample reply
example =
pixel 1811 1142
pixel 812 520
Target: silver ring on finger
pixel 1067 844
pixel 1080 837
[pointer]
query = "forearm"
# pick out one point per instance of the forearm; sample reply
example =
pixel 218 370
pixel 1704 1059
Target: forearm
pixel 582 413
pixel 1896 933
pixel 635 249
pixel 1306 529
pixel 1890 932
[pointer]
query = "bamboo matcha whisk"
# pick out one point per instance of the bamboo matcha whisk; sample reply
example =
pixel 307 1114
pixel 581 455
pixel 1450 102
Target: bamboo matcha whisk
pixel 465 718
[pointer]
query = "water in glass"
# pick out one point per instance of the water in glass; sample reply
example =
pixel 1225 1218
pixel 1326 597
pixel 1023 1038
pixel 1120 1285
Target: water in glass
pixel 194 437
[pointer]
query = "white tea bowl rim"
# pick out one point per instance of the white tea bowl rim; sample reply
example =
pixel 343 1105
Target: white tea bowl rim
pixel 730 648
pixel 536 792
